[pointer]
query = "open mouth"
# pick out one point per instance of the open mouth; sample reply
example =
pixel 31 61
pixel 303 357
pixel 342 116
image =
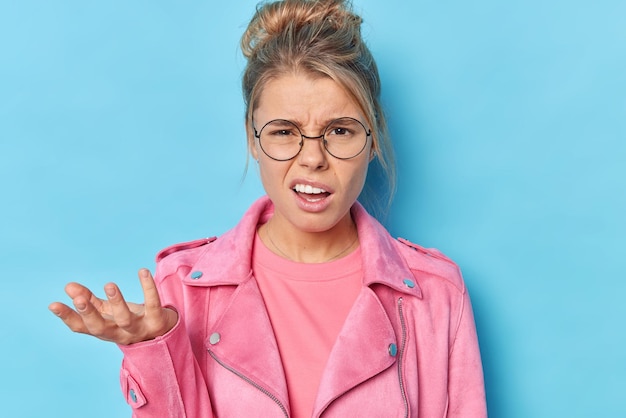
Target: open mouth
pixel 310 193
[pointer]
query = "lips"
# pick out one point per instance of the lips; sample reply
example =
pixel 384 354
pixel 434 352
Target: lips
pixel 311 196
pixel 310 193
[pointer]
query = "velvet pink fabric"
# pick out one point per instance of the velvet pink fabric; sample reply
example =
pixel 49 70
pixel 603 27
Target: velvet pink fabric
pixel 408 347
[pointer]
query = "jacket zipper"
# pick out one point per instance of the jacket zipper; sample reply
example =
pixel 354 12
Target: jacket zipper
pixel 248 380
pixel 401 357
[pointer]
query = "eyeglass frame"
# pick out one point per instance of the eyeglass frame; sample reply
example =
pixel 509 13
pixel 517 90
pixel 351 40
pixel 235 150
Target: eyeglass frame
pixel 257 135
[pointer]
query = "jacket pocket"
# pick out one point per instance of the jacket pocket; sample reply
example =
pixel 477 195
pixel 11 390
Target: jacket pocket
pixel 131 390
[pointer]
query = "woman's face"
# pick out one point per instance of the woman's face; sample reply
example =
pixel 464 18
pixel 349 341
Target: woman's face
pixel 311 103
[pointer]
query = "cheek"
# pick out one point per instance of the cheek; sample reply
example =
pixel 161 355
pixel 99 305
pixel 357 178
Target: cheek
pixel 272 174
pixel 357 177
pixel 361 178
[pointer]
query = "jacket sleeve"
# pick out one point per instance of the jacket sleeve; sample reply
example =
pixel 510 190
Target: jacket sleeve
pixel 466 389
pixel 162 377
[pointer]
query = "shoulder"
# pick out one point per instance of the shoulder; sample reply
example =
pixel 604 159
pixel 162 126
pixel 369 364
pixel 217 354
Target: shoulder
pixel 183 246
pixel 187 253
pixel 430 262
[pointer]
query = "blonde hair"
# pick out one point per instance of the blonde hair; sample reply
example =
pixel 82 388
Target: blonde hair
pixel 321 38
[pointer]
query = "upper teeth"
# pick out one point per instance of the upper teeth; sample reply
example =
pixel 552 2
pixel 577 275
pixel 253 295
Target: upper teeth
pixel 302 188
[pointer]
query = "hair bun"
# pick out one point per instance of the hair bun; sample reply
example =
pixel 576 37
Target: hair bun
pixel 277 18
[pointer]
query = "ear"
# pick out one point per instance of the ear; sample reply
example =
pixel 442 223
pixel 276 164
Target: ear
pixel 252 144
pixel 252 149
pixel 372 154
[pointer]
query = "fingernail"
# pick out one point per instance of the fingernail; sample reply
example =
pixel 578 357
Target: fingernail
pixel 80 306
pixel 110 291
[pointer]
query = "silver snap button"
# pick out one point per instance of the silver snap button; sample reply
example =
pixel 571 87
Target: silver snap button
pixel 215 338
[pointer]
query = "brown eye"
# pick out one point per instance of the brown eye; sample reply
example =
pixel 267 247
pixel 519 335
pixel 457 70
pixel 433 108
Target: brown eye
pixel 343 128
pixel 282 132
pixel 339 131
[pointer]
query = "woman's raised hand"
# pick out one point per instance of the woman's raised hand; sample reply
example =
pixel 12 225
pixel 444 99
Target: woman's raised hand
pixel 114 319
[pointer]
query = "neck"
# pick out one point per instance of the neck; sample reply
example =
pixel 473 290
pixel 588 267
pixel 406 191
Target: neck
pixel 310 247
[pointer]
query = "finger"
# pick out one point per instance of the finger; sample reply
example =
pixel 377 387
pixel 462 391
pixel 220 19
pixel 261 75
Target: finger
pixel 72 319
pixel 94 321
pixel 120 312
pixel 74 290
pixel 152 300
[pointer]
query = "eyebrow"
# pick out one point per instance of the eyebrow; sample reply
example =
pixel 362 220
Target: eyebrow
pixel 323 125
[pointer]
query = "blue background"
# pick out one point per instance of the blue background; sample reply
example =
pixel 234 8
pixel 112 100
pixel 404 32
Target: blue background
pixel 121 132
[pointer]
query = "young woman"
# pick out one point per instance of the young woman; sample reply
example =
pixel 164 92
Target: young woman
pixel 307 308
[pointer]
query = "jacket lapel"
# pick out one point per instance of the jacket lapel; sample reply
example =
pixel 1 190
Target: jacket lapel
pixel 243 341
pixel 361 351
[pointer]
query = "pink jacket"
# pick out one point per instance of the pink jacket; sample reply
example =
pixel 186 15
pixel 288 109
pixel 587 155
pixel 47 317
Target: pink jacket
pixel 408 347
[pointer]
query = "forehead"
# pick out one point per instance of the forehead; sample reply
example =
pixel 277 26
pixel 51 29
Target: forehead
pixel 305 99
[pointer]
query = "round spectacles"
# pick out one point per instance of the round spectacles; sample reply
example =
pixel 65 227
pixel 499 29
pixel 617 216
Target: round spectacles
pixel 282 140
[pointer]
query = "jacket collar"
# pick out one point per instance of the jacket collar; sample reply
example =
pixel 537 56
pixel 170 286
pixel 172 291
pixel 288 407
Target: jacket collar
pixel 227 260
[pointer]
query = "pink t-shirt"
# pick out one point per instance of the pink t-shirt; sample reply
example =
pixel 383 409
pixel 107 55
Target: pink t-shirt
pixel 307 305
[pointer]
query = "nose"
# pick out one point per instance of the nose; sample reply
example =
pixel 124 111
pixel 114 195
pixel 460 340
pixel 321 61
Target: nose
pixel 313 153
